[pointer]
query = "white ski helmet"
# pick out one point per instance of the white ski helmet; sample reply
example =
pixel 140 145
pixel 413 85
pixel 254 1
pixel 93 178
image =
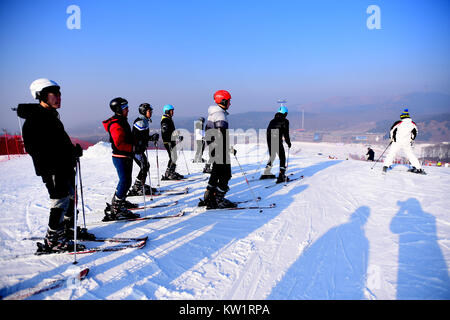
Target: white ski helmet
pixel 38 85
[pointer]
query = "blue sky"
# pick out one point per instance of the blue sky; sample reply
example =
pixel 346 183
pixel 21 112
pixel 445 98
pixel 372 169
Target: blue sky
pixel 180 52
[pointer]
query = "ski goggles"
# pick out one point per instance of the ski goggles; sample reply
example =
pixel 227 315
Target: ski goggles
pixel 124 106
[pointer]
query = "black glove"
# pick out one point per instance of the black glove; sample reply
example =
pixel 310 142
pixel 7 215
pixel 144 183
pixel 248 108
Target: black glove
pixel 154 137
pixel 78 151
pixel 180 138
pixel 289 145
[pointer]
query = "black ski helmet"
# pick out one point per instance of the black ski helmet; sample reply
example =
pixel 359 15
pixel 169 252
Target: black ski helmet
pixel 117 104
pixel 144 107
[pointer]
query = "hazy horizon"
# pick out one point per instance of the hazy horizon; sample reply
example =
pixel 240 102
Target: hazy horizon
pixel 180 53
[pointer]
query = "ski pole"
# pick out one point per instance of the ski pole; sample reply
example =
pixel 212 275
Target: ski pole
pixel 149 177
pixel 287 165
pixel 143 182
pixel 81 189
pixel 381 154
pixel 75 216
pixel 187 168
pixel 157 163
pixel 248 184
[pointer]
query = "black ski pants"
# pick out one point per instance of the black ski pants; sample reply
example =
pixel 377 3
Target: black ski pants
pixel 220 175
pixel 275 150
pixel 172 151
pixel 142 161
pixel 60 187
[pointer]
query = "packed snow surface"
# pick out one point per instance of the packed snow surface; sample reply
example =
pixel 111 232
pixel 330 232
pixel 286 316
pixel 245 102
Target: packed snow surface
pixel 345 231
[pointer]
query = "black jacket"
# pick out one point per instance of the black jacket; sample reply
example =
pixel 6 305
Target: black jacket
pixel 282 124
pixel 46 140
pixel 167 128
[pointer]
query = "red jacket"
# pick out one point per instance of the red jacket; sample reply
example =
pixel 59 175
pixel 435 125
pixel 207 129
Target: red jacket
pixel 120 136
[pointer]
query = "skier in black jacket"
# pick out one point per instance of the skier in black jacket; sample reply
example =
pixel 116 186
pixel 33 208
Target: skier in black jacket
pixel 276 130
pixel 141 134
pixel 371 154
pixel 168 133
pixel 54 158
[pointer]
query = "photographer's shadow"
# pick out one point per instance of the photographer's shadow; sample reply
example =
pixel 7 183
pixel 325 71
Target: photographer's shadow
pixel 422 270
pixel 333 267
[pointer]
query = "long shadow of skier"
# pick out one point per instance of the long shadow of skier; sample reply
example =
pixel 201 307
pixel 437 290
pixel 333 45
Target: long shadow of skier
pixel 173 250
pixel 333 267
pixel 422 270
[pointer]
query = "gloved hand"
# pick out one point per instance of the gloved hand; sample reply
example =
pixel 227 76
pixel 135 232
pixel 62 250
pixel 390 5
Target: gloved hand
pixel 78 151
pixel 233 151
pixel 154 137
pixel 289 145
pixel 180 138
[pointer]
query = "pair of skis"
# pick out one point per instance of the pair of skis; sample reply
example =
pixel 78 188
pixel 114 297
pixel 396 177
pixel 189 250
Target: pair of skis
pixel 284 182
pixel 123 244
pixel 49 285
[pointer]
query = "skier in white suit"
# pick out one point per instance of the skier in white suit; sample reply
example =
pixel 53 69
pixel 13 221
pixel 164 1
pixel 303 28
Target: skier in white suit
pixel 402 135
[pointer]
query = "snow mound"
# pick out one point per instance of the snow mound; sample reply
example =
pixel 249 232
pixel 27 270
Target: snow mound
pixel 100 149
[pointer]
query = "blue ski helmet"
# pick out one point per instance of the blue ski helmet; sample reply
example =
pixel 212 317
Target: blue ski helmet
pixel 167 108
pixel 283 110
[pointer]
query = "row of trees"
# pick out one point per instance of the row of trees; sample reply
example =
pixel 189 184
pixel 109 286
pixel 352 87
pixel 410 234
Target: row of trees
pixel 437 152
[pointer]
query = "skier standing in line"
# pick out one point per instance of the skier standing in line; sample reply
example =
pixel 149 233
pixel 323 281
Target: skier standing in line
pixel 402 134
pixel 217 134
pixel 371 154
pixel 54 159
pixel 141 134
pixel 168 132
pixel 277 129
pixel 121 139
pixel 199 134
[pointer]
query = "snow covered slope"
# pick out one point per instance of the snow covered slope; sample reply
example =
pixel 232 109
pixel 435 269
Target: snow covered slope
pixel 343 232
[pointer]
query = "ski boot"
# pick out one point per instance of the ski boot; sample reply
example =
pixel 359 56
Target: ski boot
pixel 179 176
pixel 385 168
pixel 223 203
pixel 282 176
pixel 118 210
pixel 209 198
pixel 82 233
pixel 170 174
pixel 56 242
pixel 418 171
pixel 267 174
pixel 138 190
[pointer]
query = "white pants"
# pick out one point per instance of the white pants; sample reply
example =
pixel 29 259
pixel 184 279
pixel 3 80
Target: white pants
pixel 395 147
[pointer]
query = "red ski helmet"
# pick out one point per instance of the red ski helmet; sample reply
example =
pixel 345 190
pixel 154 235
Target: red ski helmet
pixel 221 97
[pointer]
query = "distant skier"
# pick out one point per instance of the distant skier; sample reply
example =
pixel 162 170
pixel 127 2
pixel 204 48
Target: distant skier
pixel 121 139
pixel 217 134
pixel 199 134
pixel 402 135
pixel 168 132
pixel 54 158
pixel 277 129
pixel 141 134
pixel 371 154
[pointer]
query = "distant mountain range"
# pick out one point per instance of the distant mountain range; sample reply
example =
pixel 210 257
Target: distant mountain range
pixel 430 110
